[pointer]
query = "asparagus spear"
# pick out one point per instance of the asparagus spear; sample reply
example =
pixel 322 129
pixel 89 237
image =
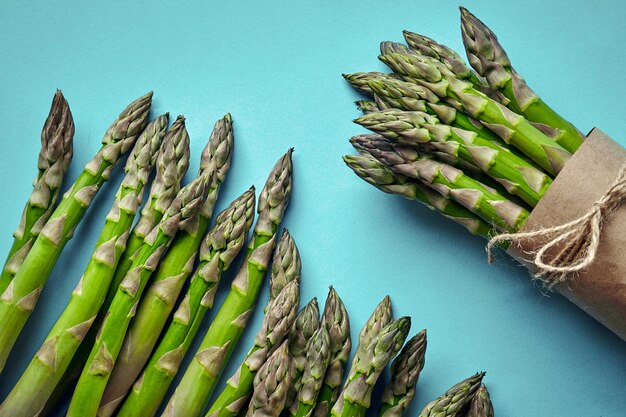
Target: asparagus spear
pixel 171 166
pixel 451 183
pixel 516 175
pixel 54 159
pixel 511 127
pixel 198 382
pixel 279 319
pixel 20 297
pixel 453 400
pixel 316 360
pixel 368 364
pixel 160 297
pixel 219 249
pixel 381 177
pixel 480 405
pixel 380 318
pixel 286 265
pixel 488 57
pixel 44 371
pixel 271 383
pixel 366 106
pixel 97 370
pixel 307 323
pixel 405 371
pixel 336 321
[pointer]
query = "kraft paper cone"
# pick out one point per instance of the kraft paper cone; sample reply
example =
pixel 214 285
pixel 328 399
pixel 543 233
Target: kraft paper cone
pixel 600 289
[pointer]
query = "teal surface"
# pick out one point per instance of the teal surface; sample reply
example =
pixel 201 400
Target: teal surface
pixel 276 66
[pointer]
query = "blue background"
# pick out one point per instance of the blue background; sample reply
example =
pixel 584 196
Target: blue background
pixel 276 67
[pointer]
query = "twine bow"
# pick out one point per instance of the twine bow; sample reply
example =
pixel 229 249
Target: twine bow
pixel 577 241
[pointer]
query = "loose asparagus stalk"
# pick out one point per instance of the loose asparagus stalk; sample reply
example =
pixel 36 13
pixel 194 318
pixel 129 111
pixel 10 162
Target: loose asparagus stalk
pixel 490 60
pixel 366 106
pixel 367 366
pixel 453 400
pixel 451 183
pixel 316 360
pixel 171 166
pixel 307 323
pixel 198 382
pixel 381 177
pixel 279 319
pixel 97 370
pixel 31 392
pixel 20 297
pixel 380 318
pixel 271 383
pixel 405 371
pixel 360 80
pixel 515 174
pixel 286 265
pixel 336 321
pixel 480 406
pixel 511 127
pixel 158 302
pixel 54 159
pixel 219 249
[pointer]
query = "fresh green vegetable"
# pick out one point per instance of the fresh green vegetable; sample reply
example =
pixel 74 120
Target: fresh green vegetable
pixel 480 406
pixel 452 401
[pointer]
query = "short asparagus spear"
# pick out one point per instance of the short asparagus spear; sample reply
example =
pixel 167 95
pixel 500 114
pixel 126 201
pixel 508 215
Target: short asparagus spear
pixel 198 382
pixel 33 389
pixel 286 265
pixel 54 159
pixel 366 106
pixel 20 297
pixel 219 249
pixel 336 321
pixel 488 57
pixel 451 183
pixel 316 360
pixel 271 383
pixel 280 317
pixel 160 297
pixel 480 406
pixel 453 400
pixel 381 177
pixel 307 323
pixel 405 371
pixel 104 352
pixel 369 362
pixel 380 318
pixel 511 127
pixel 515 174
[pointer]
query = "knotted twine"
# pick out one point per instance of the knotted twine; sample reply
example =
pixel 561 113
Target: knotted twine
pixel 576 241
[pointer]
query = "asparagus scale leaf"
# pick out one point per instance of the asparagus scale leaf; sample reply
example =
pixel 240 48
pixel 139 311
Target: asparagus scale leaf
pixel 480 406
pixel 37 382
pixel 104 353
pixel 20 297
pixel 220 247
pixel 54 159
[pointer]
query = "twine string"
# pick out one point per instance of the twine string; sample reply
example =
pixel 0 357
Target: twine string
pixel 576 241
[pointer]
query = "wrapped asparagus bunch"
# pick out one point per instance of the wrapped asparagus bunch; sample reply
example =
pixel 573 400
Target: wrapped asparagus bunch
pixel 478 145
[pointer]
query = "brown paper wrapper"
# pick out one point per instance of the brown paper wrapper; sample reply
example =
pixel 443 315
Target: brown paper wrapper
pixel 600 289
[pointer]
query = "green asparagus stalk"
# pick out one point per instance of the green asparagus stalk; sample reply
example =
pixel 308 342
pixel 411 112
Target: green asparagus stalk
pixel 381 177
pixel 368 364
pixel 511 127
pixel 453 400
pixel 480 405
pixel 279 319
pixel 31 392
pixel 515 174
pixel 490 60
pixel 271 383
pixel 336 321
pixel 405 371
pixel 309 384
pixel 286 265
pixel 97 370
pixel 160 297
pixel 20 297
pixel 380 318
pixel 451 183
pixel 219 249
pixel 54 159
pixel 307 323
pixel 366 106
pixel 198 382
pixel 171 166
